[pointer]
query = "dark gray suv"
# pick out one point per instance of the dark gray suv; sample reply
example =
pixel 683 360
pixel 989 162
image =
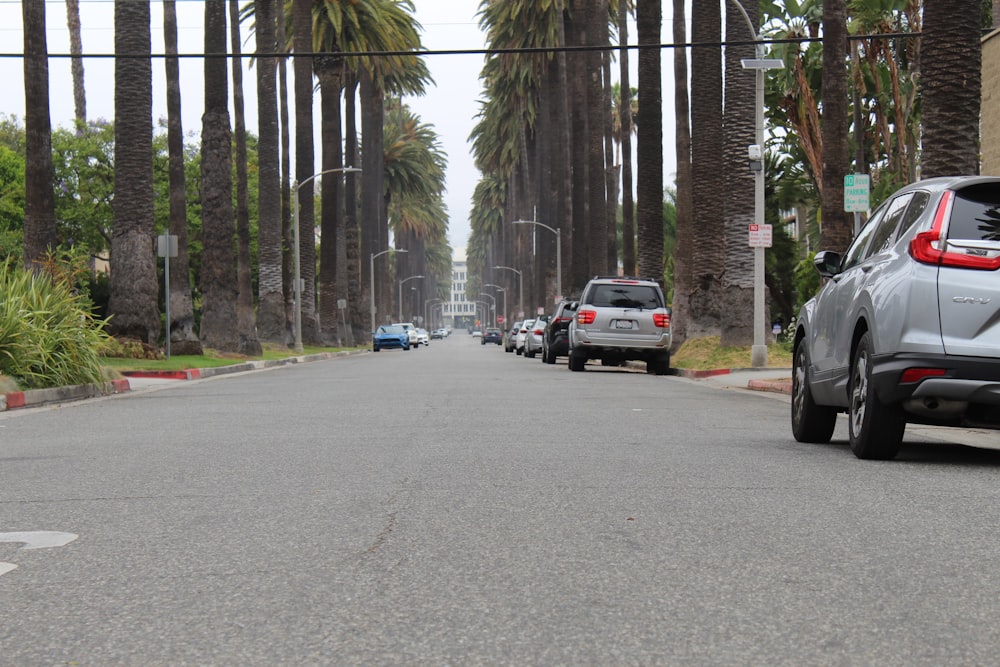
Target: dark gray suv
pixel 906 327
pixel 621 319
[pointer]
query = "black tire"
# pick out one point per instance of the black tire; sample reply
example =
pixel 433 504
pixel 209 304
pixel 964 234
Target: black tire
pixel 548 357
pixel 406 348
pixel 518 351
pixel 577 362
pixel 376 349
pixel 810 422
pixel 659 365
pixel 876 429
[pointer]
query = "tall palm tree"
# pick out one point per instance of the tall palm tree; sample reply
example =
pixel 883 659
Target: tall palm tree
pixel 181 328
pixel 738 207
pixel 684 226
pixel 951 87
pixel 76 65
pixel 838 225
pixel 271 324
pixel 305 164
pixel 133 285
pixel 246 320
pixel 39 204
pixel 596 29
pixel 625 140
pixel 707 259
pixel 219 328
pixel 649 151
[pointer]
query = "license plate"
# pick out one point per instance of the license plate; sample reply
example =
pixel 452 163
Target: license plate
pixel 623 324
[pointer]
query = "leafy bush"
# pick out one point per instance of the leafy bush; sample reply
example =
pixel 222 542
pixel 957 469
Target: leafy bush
pixel 48 336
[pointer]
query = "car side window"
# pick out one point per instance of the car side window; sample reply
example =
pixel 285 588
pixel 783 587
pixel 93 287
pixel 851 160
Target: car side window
pixel 885 232
pixel 918 203
pixel 857 247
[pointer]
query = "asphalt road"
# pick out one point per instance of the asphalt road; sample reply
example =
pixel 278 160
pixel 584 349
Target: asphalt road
pixel 456 505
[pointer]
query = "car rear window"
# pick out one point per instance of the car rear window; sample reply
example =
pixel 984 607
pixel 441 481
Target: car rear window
pixel 975 214
pixel 618 295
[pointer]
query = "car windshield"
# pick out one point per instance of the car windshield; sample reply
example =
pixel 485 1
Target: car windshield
pixel 394 329
pixel 618 295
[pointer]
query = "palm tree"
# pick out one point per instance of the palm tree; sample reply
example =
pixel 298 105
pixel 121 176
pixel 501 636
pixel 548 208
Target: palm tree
pixel 181 328
pixel 219 329
pixel 951 78
pixel 838 225
pixel 76 65
pixel 738 207
pixel 684 226
pixel 649 152
pixel 625 129
pixel 706 143
pixel 39 204
pixel 305 164
pixel 133 285
pixel 271 325
pixel 246 321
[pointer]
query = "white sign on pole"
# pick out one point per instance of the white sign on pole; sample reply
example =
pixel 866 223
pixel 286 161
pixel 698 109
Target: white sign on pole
pixel 857 188
pixel 760 236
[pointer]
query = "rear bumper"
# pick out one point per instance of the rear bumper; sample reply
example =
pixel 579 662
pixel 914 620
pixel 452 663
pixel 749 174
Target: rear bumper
pixel 637 346
pixel 969 379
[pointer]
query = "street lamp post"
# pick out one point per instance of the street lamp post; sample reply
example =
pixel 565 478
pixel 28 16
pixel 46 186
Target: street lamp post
pixel 371 275
pixel 758 353
pixel 427 316
pixel 493 306
pixel 297 278
pixel 556 231
pixel 401 294
pixel 503 307
pixel 520 288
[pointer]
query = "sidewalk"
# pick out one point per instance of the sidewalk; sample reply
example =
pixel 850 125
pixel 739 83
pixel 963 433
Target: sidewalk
pixel 775 380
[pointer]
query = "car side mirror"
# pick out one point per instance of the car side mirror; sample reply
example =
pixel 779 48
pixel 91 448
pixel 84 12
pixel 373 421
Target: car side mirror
pixel 827 262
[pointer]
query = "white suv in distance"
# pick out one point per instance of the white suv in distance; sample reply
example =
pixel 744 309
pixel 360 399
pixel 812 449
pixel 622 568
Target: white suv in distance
pixel 621 319
pixel 906 327
pixel 411 330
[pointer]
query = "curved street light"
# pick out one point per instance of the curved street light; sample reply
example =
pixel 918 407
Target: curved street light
pixel 503 307
pixel 297 285
pixel 520 287
pixel 371 275
pixel 493 305
pixel 401 294
pixel 554 230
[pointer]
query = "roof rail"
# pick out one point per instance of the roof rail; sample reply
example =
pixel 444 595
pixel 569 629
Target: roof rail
pixel 622 278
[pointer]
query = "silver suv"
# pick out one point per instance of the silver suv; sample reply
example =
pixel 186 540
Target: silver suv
pixel 621 319
pixel 906 327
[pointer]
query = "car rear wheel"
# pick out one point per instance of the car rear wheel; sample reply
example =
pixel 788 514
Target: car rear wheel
pixel 810 422
pixel 659 365
pixel 876 429
pixel 548 357
pixel 577 361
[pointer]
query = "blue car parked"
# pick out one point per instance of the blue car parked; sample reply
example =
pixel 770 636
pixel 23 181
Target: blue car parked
pixel 389 336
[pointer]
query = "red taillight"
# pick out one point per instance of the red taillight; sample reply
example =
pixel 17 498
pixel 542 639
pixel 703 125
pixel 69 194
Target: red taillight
pixel 911 375
pixel 586 316
pixel 662 320
pixel 926 246
pixel 538 332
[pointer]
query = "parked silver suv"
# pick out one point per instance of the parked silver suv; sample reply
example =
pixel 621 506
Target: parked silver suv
pixel 906 327
pixel 621 319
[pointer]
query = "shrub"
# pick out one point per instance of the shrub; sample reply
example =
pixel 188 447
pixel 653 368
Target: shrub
pixel 48 336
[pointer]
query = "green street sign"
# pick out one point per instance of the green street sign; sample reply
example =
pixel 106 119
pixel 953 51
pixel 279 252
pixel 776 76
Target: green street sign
pixel 857 188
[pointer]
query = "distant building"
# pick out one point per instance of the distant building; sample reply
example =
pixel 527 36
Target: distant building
pixel 459 312
pixel 990 113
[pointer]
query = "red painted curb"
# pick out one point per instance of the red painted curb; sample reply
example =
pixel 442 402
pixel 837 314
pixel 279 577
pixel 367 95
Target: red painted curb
pixel 190 374
pixel 15 399
pixel 704 374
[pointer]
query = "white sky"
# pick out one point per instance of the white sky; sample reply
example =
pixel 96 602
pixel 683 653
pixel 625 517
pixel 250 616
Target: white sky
pixel 450 106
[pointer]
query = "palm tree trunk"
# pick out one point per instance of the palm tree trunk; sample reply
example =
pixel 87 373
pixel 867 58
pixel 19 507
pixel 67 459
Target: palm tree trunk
pixel 246 321
pixel 597 241
pixel 576 77
pixel 270 301
pixel 305 165
pixel 287 261
pixel 649 142
pixel 76 64
pixel 951 77
pixel 625 109
pixel 357 317
pixel 181 328
pixel 707 259
pixel 39 203
pixel 218 277
pixel 838 225
pixel 329 73
pixel 738 204
pixel 685 231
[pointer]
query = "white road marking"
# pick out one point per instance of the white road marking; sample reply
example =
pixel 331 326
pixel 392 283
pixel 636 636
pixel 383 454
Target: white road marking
pixel 35 539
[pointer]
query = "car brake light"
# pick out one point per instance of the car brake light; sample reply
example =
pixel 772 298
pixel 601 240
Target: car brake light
pixel 537 332
pixel 586 316
pixel 911 375
pixel 926 246
pixel 662 320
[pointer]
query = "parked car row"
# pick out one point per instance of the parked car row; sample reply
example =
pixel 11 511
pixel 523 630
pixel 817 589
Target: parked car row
pixel 403 335
pixel 615 320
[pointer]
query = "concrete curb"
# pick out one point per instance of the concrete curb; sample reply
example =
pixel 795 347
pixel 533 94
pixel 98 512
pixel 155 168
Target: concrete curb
pixel 31 398
pixel 776 386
